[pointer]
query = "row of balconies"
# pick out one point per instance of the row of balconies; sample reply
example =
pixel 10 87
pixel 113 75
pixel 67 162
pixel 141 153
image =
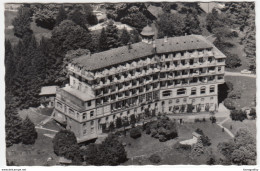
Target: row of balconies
pixel 151 78
pixel 134 64
pixel 128 92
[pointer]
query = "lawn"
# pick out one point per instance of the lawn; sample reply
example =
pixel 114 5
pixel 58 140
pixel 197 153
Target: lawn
pixel 250 125
pixel 143 147
pixel 247 86
pixel 39 32
pixel 33 155
pixel 35 117
pixel 238 49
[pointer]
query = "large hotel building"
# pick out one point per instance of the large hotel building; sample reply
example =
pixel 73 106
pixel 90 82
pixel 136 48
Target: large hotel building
pixel 162 76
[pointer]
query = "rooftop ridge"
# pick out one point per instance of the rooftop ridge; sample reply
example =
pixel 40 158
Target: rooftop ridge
pixel 114 56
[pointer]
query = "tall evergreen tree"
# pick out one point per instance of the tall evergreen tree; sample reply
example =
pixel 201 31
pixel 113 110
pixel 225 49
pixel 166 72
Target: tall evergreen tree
pixel 22 22
pixel 192 23
pixel 62 15
pixel 112 35
pixel 13 124
pixel 103 40
pixel 78 18
pixel 29 134
pixel 9 64
pixel 125 37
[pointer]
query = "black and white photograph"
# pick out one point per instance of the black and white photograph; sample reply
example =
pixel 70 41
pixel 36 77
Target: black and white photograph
pixel 130 83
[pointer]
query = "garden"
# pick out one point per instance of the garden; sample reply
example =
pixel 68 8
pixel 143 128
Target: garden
pixel 150 150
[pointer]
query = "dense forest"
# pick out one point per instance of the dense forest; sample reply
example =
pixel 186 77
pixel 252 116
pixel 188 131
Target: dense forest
pixel 35 62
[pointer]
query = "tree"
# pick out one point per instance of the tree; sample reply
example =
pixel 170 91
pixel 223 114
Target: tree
pixel 13 125
pixel 112 35
pixel 135 133
pixel 241 150
pixel 29 134
pixel 125 37
pixel 238 115
pixel 118 122
pixel 45 15
pixel 135 37
pixel 65 144
pixel 62 15
pixel 22 22
pixel 233 61
pixel 103 46
pixel 170 25
pixel 132 119
pixel 109 152
pixel 192 23
pixel 69 36
pixel 253 113
pixel 78 18
pixel 10 66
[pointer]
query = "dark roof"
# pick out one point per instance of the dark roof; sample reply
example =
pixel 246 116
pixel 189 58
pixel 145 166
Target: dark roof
pixel 48 90
pixel 122 54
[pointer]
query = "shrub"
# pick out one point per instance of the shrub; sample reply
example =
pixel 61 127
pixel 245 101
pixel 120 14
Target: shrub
pixel 234 94
pixel 135 133
pixel 238 115
pixel 155 158
pixel 229 104
pixel 203 120
pixel 197 120
pixel 213 119
pixel 189 108
pixel 207 107
pixel 199 131
pixel 252 113
pixel 29 134
pixel 148 130
pixel 229 86
pixel 232 61
pixel 198 108
pixel 205 140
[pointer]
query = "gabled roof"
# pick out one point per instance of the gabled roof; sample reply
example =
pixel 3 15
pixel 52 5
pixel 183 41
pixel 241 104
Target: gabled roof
pixel 48 90
pixel 122 54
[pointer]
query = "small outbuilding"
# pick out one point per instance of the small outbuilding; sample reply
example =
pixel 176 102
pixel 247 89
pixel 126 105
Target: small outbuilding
pixel 64 161
pixel 48 94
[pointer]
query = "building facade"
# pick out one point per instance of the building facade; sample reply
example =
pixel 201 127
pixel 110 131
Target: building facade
pixel 166 75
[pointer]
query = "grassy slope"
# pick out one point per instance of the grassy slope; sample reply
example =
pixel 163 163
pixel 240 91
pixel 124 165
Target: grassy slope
pixel 147 145
pixel 9 34
pixel 250 125
pixel 32 155
pixel 247 86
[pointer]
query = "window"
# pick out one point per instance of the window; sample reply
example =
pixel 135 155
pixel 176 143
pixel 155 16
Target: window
pixel 212 89
pixel 91 113
pixel 84 124
pixel 166 93
pixel 92 130
pixel 193 91
pixel 202 99
pixel 202 90
pixel 193 100
pixel 177 100
pixel 59 105
pixel 219 68
pixel 181 91
pixel 89 103
pixel 92 123
pixel 170 101
pixel 71 112
pixel 84 132
pixel 211 98
pixel 184 100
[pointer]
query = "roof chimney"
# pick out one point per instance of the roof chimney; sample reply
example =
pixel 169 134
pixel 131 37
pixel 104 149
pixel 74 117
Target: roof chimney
pixel 165 39
pixel 129 45
pixel 154 47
